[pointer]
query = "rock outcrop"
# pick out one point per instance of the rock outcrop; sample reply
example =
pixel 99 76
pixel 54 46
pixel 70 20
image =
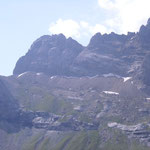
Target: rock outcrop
pixel 52 55
pixel 124 55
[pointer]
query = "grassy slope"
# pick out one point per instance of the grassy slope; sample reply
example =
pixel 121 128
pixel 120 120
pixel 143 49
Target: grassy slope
pixel 38 98
pixel 87 140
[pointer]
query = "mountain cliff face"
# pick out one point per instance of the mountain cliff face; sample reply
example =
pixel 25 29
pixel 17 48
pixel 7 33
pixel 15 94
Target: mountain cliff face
pixel 52 55
pixel 64 96
pixel 109 53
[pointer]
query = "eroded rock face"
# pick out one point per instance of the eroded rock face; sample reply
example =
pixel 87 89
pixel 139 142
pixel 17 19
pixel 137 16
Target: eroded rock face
pixel 52 55
pixel 146 70
pixel 124 55
pixel 139 131
pixel 53 122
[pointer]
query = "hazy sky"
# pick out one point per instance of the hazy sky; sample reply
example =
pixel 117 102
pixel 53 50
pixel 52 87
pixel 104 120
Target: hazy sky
pixel 23 21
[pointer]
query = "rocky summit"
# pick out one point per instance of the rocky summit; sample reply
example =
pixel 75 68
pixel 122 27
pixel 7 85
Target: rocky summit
pixel 65 96
pixel 123 55
pixel 52 55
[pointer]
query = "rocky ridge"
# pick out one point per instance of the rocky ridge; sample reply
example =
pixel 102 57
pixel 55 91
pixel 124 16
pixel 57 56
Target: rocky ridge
pixel 63 95
pixel 124 55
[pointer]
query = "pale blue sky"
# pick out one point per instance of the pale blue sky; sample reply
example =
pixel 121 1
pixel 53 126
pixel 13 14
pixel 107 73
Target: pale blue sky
pixel 23 21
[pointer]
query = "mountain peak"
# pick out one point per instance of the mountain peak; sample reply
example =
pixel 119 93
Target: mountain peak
pixel 148 22
pixel 49 54
pixel 98 39
pixel 144 32
pixel 51 37
pixel 106 53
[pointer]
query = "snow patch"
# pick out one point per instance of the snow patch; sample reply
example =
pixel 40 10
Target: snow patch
pixel 21 74
pixel 99 115
pixel 76 98
pixel 126 79
pixel 112 124
pixel 125 127
pixel 38 74
pixel 92 77
pixel 110 92
pixel 52 77
pixel 77 108
pixel 111 75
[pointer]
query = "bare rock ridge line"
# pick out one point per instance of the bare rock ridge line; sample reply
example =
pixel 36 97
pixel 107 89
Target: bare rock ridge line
pixel 125 55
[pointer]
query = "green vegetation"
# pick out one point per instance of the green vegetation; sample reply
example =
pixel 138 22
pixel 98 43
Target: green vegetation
pixel 44 144
pixel 62 144
pixel 32 143
pixel 80 141
pixel 40 99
